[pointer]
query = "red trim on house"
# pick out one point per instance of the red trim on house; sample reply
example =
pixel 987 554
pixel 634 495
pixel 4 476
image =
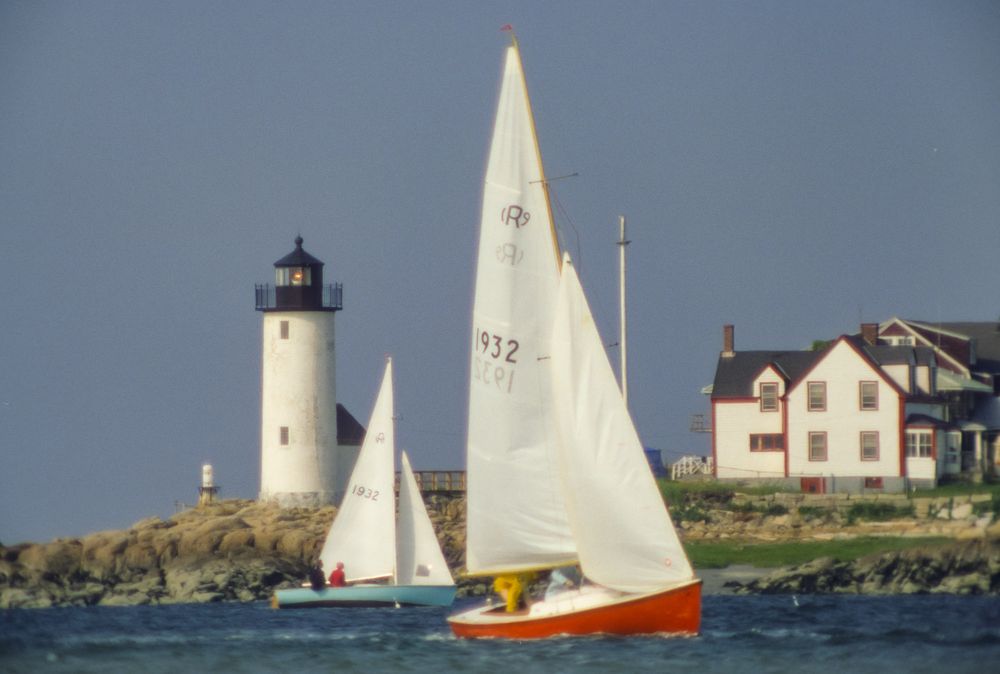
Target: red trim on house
pixel 772 368
pixel 737 399
pixel 715 457
pixel 876 369
pixel 902 435
pixel 784 426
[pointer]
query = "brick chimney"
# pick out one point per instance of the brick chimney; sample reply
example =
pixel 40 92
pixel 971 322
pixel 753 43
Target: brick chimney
pixel 728 343
pixel 869 333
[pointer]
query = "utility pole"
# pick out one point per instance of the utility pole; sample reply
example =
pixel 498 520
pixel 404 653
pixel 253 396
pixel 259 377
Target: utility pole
pixel 622 243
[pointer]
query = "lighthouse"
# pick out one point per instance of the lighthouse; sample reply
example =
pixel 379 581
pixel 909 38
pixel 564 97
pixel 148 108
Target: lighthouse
pixel 304 460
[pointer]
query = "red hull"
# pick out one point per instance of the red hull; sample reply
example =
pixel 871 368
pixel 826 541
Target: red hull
pixel 676 612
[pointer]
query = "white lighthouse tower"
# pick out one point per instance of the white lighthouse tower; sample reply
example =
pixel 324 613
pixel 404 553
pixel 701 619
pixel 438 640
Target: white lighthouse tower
pixel 302 461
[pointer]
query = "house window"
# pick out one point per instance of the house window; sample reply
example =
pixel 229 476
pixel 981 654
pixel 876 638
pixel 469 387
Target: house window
pixel 284 435
pixel 869 395
pixel 284 329
pixel 817 396
pixel 869 445
pixel 769 397
pixel 767 442
pixel 873 483
pixel 817 446
pixel 918 444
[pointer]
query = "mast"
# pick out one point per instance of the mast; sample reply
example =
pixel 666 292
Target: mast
pixel 622 243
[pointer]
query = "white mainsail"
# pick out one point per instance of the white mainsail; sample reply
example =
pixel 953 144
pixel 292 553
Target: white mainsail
pixel 420 560
pixel 623 532
pixel 516 516
pixel 363 534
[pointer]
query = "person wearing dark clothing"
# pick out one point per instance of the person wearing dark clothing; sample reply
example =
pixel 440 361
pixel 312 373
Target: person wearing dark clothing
pixel 317 579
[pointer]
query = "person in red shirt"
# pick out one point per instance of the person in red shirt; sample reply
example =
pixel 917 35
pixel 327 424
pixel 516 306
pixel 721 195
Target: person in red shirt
pixel 337 578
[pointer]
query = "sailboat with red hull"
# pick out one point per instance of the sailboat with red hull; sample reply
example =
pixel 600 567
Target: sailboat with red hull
pixel 557 475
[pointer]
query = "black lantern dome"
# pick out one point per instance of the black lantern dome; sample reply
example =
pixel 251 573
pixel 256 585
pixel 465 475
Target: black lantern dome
pixel 298 285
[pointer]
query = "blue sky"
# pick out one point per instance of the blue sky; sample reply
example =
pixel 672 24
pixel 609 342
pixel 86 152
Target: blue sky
pixel 793 168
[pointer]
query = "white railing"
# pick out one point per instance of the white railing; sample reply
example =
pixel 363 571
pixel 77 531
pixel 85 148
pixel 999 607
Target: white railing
pixel 688 466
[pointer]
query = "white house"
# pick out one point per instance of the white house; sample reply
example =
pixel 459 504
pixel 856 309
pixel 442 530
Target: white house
pixel 873 411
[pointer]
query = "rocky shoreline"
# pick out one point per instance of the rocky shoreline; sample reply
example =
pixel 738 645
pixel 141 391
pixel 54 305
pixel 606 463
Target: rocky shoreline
pixel 233 550
pixel 239 550
pixel 968 567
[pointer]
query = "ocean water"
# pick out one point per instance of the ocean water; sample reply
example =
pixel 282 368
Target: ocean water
pixel 739 634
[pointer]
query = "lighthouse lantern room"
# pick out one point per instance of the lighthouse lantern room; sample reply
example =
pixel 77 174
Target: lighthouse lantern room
pixel 302 461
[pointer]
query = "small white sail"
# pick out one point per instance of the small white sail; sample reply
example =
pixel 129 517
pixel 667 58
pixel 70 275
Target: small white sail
pixel 420 560
pixel 516 516
pixel 624 535
pixel 363 534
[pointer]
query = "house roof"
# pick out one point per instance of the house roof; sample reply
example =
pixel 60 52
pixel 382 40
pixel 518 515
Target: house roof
pixel 925 420
pixel 890 355
pixel 734 375
pixel 985 334
pixel 349 430
pixel 950 381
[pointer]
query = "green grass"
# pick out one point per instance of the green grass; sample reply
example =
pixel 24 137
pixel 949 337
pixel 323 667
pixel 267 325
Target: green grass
pixel 959 489
pixel 719 554
pixel 677 493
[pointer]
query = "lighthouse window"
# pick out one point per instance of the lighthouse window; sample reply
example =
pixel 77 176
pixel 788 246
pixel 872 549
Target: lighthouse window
pixel 293 276
pixel 284 329
pixel 284 435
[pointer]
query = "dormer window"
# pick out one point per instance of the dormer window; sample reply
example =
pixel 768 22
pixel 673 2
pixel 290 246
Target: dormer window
pixel 769 397
pixel 293 276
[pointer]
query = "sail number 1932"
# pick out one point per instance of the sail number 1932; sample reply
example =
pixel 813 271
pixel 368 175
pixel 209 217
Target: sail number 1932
pixel 495 346
pixel 494 361
pixel 365 492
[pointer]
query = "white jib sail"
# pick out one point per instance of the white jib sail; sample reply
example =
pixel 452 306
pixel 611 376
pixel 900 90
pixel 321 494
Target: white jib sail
pixel 418 553
pixel 624 535
pixel 516 517
pixel 363 534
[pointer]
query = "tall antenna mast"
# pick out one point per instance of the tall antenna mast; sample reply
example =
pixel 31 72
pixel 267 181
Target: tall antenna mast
pixel 622 243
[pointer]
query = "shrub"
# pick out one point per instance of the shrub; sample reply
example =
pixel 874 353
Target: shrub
pixel 689 513
pixel 768 509
pixel 814 512
pixel 992 506
pixel 877 512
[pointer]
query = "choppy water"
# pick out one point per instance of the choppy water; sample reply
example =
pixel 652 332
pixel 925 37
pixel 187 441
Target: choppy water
pixel 740 634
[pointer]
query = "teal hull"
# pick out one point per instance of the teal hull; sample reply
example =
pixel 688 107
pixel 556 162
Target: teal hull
pixel 365 595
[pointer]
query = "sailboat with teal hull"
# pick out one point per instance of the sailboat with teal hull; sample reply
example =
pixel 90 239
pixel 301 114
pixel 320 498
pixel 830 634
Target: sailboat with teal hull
pixel 386 562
